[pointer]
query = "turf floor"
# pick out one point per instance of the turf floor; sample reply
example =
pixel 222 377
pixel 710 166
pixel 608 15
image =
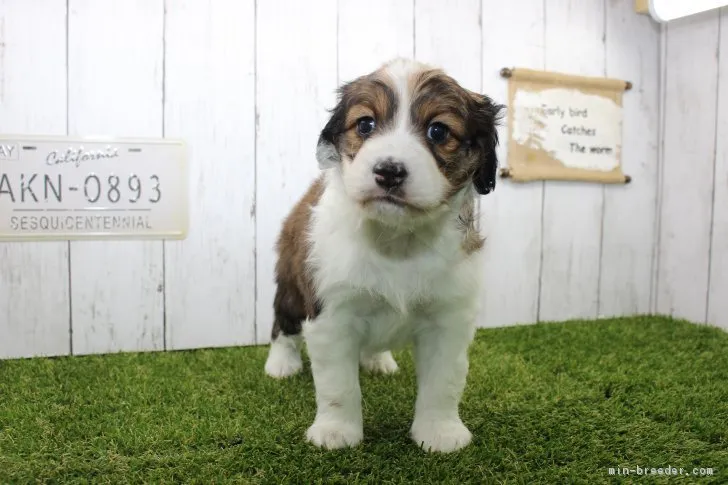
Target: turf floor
pixel 547 403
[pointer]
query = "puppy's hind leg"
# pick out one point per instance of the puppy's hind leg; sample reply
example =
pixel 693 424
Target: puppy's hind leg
pixel 379 362
pixel 284 356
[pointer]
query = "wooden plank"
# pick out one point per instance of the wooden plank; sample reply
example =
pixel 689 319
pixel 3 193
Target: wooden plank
pixel 34 308
pixel 115 89
pixel 369 37
pixel 718 288
pixel 689 140
pixel 457 51
pixel 511 216
pixel 296 86
pixel 629 239
pixel 210 103
pixel 572 218
pixel 660 173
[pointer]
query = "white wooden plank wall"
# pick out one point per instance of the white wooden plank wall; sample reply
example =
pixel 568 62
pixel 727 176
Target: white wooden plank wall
pixel 718 296
pixel 248 84
pixel 511 216
pixel 365 36
pixel 115 83
pixel 564 250
pixel 34 310
pixel 572 213
pixel 688 182
pixel 296 82
pixel 457 50
pixel 628 224
pixel 210 103
pixel 692 271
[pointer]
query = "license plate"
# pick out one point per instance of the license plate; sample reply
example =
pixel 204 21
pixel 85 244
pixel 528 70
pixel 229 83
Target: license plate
pixel 62 188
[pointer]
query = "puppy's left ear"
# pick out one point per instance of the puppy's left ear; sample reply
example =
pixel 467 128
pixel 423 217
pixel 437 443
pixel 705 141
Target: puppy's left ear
pixel 486 116
pixel 327 148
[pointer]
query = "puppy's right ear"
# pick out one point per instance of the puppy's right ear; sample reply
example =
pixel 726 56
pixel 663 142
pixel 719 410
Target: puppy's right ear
pixel 327 149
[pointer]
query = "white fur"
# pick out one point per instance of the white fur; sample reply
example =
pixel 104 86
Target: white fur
pixel 379 363
pixel 387 277
pixel 373 303
pixel 284 357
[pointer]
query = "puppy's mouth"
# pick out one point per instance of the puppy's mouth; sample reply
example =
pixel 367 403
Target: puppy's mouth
pixel 392 201
pixel 388 199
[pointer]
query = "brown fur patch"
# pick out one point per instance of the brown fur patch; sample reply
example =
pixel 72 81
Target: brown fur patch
pixel 371 95
pixel 470 118
pixel 437 97
pixel 472 240
pixel 295 299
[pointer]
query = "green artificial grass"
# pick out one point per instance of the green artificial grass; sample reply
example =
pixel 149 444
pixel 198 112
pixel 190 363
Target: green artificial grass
pixel 547 403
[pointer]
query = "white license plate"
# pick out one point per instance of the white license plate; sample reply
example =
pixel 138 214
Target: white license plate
pixel 64 188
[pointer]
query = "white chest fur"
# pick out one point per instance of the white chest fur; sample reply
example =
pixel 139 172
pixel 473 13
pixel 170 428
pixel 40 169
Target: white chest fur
pixel 385 297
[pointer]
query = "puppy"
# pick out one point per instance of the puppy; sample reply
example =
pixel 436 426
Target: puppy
pixel 382 250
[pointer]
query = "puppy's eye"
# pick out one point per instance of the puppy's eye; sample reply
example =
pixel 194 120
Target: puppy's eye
pixel 437 132
pixel 365 126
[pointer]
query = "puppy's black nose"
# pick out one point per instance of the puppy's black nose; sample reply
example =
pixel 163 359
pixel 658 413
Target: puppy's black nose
pixel 389 174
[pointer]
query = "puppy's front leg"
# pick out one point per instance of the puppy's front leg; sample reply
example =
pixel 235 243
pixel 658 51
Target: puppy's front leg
pixel 442 366
pixel 334 355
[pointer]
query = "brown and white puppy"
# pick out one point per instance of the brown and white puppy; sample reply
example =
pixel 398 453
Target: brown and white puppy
pixel 383 251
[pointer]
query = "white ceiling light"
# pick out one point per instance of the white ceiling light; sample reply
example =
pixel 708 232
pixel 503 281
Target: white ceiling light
pixel 666 10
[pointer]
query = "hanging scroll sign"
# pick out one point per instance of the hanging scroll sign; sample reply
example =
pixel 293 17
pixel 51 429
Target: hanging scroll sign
pixel 564 127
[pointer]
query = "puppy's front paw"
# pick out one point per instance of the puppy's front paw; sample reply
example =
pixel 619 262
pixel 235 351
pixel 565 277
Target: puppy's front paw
pixel 443 436
pixel 333 434
pixel 381 363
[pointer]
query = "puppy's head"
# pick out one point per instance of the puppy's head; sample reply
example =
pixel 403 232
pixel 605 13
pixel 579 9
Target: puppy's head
pixel 407 138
